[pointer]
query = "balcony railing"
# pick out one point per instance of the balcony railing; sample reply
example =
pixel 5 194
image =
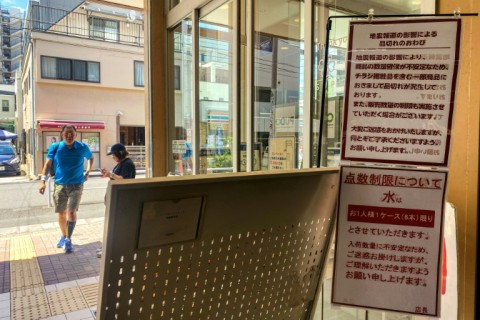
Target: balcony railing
pixel 137 154
pixel 92 25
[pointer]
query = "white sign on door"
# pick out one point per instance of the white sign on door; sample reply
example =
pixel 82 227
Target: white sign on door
pixel 400 92
pixel 389 239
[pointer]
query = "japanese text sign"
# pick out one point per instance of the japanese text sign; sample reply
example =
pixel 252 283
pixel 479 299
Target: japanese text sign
pixel 281 153
pixel 400 91
pixel 388 242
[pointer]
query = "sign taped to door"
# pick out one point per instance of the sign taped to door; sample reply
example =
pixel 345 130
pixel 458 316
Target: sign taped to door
pixel 389 239
pixel 400 91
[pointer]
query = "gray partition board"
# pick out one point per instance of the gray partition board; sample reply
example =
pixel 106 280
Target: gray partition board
pixel 227 246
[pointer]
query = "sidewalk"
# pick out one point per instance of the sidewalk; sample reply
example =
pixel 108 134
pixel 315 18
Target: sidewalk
pixel 39 281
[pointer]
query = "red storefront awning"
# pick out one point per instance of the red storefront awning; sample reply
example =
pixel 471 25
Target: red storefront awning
pixel 58 124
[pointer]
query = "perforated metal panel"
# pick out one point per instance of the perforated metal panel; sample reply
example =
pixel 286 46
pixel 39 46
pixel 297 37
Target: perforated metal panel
pixel 259 253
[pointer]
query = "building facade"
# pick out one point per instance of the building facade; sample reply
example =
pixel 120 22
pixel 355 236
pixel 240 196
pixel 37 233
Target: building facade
pixel 8 107
pixel 83 66
pixel 11 35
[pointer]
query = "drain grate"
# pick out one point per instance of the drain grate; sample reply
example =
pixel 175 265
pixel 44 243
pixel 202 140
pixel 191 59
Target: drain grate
pixel 65 301
pixel 90 292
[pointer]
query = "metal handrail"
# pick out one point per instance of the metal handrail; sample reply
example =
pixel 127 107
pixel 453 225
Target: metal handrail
pixel 50 189
pixel 76 24
pixel 137 154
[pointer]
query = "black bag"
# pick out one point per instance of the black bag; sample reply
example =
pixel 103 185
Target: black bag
pixel 52 165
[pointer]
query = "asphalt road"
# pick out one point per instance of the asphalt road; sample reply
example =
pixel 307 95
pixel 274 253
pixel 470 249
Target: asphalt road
pixel 21 204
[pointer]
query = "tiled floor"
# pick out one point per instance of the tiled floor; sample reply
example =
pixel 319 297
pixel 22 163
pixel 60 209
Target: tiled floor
pixel 39 281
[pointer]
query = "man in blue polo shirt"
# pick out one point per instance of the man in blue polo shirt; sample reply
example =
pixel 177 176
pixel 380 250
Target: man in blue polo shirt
pixel 67 157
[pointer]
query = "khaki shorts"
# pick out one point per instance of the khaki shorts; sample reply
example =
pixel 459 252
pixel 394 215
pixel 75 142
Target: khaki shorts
pixel 67 196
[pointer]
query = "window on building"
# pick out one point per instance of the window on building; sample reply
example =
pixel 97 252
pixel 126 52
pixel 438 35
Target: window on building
pixel 138 70
pixel 93 71
pixel 5 106
pixel 176 80
pixel 68 69
pixel 64 69
pixel 104 29
pixel 80 70
pixel 205 74
pixel 49 68
pixel 222 76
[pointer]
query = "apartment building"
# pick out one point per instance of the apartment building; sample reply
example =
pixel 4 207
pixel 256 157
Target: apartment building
pixel 84 66
pixel 11 53
pixel 11 34
pixel 7 111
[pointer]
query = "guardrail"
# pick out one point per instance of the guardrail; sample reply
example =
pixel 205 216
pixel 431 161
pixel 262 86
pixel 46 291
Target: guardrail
pixel 50 189
pixel 50 184
pixel 137 154
pixel 90 25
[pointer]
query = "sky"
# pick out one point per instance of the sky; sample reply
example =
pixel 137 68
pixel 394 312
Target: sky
pixel 22 4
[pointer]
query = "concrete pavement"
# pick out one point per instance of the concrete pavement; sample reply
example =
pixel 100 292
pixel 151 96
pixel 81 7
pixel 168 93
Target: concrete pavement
pixel 37 279
pixel 43 218
pixel 40 281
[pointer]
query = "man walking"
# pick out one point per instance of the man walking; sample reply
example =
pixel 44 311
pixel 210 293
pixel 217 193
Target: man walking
pixel 67 160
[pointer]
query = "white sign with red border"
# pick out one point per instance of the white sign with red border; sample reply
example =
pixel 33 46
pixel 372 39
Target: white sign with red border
pixel 400 91
pixel 389 239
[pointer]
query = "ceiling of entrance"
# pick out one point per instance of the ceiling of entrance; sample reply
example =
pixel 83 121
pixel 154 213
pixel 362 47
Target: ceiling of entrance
pixel 381 7
pixel 284 17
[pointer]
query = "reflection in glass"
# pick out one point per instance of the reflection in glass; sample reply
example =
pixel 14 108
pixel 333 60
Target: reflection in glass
pixel 335 83
pixel 183 99
pixel 333 115
pixel 216 99
pixel 278 83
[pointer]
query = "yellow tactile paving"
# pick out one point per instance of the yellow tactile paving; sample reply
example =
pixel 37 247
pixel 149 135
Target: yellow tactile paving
pixel 66 300
pixel 24 268
pixel 29 302
pixel 29 299
pixel 27 291
pixel 31 313
pixel 90 293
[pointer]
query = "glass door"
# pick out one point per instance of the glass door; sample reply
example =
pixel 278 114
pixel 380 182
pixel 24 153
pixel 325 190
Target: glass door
pixel 278 84
pixel 181 98
pixel 203 90
pixel 216 94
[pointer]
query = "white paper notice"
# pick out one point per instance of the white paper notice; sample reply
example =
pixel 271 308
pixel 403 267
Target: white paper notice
pixel 169 221
pixel 389 240
pixel 400 93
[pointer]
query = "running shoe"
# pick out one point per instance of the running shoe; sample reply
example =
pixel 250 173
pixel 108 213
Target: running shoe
pixel 68 246
pixel 61 242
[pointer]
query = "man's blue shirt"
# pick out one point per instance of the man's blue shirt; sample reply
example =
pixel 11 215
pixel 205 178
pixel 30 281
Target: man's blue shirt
pixel 68 162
